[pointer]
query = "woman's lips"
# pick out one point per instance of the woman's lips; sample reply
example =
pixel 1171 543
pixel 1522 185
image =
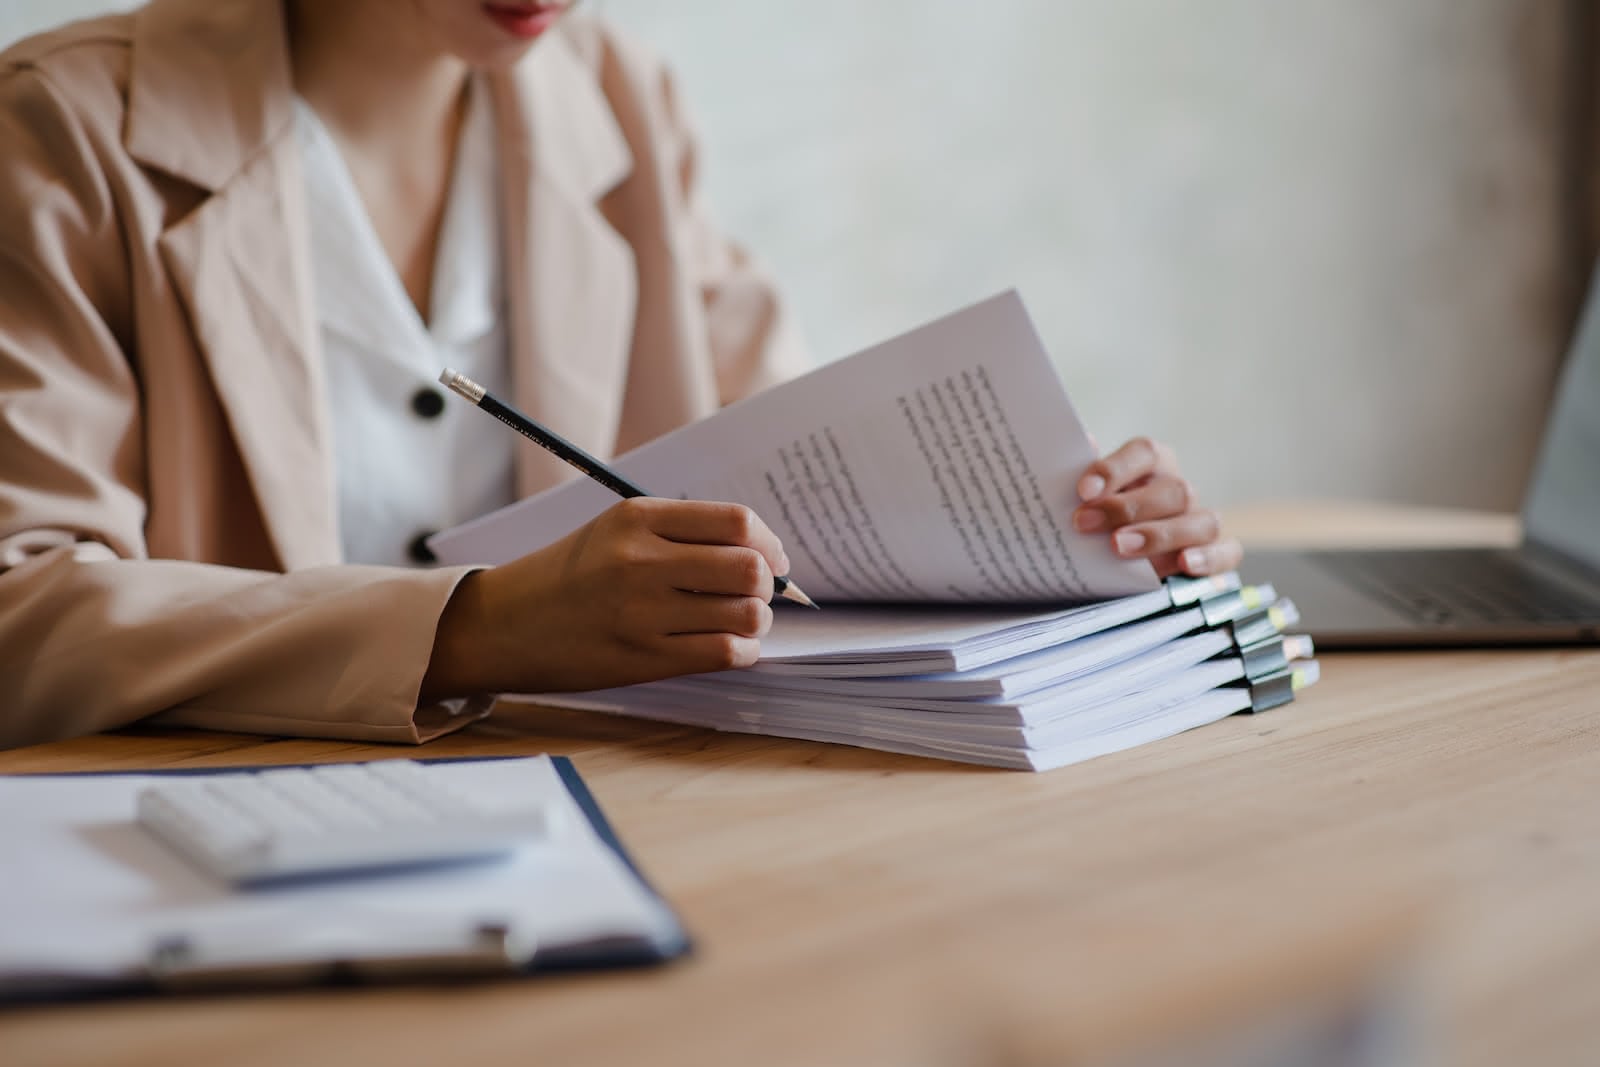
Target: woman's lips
pixel 524 21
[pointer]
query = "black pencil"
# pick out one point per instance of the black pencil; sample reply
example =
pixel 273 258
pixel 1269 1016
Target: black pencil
pixel 568 452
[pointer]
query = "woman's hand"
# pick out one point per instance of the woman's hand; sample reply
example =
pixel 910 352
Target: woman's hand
pixel 1137 496
pixel 649 589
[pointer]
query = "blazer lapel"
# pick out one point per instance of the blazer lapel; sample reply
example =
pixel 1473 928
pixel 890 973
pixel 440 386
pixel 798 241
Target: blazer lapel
pixel 209 103
pixel 237 276
pixel 571 283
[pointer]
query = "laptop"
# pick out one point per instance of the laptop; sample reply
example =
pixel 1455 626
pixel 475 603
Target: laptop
pixel 1545 591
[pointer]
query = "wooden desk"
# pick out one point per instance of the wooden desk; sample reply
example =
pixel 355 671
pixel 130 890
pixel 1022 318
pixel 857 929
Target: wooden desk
pixel 853 906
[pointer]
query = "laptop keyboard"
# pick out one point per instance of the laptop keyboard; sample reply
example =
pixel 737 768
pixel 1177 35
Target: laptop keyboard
pixel 1461 586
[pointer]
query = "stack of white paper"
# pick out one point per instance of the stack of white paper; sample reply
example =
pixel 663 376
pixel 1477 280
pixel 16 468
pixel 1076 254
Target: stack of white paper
pixel 1010 704
pixel 922 489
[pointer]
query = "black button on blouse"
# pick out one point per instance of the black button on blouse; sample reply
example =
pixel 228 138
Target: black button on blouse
pixel 427 403
pixel 418 549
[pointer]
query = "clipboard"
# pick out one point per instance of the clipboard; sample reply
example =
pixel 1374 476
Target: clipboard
pixel 492 949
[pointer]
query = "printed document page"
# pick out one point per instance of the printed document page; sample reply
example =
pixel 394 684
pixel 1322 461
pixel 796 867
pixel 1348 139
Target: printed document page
pixel 937 467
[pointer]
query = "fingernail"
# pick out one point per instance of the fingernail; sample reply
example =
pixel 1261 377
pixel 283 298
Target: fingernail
pixel 1091 486
pixel 783 563
pixel 1129 541
pixel 1088 520
pixel 1194 560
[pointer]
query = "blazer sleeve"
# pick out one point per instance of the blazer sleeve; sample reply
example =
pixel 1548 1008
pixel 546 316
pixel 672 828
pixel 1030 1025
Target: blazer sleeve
pixel 754 340
pixel 93 633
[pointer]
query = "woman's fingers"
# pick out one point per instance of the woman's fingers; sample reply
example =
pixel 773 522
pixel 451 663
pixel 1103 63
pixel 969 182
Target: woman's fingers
pixel 1147 540
pixel 1201 560
pixel 708 613
pixel 704 653
pixel 700 522
pixel 720 569
pixel 1159 497
pixel 701 589
pixel 706 523
pixel 1139 458
pixel 1137 496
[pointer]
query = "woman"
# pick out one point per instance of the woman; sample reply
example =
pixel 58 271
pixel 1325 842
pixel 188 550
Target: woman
pixel 216 214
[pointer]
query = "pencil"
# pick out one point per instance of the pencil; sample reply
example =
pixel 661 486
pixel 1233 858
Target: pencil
pixel 568 452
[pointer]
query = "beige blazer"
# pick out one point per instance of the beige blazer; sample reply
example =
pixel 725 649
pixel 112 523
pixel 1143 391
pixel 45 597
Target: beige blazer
pixel 167 521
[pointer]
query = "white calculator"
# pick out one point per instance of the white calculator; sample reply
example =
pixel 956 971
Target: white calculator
pixel 348 817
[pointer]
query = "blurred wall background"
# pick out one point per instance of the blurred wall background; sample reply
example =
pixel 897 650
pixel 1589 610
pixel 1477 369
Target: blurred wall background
pixel 1326 249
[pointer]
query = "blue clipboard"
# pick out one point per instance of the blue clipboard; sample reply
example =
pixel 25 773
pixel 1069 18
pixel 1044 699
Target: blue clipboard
pixel 485 962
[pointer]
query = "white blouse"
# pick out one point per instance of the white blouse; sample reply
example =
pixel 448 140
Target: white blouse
pixel 409 459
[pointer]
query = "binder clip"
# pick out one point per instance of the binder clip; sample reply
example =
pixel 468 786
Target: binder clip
pixel 1263 624
pixel 1278 688
pixel 1228 606
pixel 1184 590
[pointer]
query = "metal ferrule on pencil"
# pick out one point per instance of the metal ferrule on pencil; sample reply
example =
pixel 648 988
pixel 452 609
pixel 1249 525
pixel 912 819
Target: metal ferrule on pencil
pixel 462 385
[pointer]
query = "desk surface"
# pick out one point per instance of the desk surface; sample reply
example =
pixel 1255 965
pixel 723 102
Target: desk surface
pixel 857 906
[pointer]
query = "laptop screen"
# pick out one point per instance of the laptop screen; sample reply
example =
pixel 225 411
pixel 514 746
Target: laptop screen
pixel 1563 506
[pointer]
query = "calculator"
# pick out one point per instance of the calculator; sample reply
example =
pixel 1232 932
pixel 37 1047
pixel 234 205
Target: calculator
pixel 344 818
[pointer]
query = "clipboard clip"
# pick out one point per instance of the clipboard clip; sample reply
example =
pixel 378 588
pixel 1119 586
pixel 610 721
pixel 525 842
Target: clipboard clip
pixel 181 962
